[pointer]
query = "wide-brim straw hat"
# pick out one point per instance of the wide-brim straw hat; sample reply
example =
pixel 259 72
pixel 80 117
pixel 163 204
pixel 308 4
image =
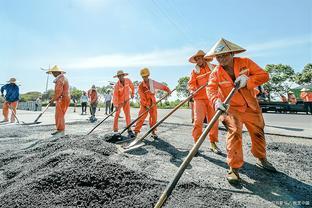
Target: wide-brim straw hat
pixel 199 53
pixel 120 72
pixel 12 80
pixel 304 90
pixel 56 68
pixel 224 46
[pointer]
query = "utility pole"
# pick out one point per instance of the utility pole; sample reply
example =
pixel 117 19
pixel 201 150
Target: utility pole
pixel 47 82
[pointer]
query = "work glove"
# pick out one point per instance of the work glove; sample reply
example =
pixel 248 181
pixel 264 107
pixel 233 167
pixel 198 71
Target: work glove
pixel 220 106
pixel 51 101
pixel 241 80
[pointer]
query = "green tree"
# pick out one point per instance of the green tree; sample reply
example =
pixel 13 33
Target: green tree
pixel 48 95
pixel 182 90
pixel 76 93
pixel 30 96
pixel 306 76
pixel 281 78
pixel 105 89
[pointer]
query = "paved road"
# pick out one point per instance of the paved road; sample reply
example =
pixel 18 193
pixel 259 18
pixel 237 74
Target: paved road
pixel 284 124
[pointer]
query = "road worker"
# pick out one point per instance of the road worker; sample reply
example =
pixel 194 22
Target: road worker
pixel 243 108
pixel 61 98
pixel 93 100
pixel 11 98
pixel 123 90
pixel 147 90
pixel 306 96
pixel 292 98
pixel 202 106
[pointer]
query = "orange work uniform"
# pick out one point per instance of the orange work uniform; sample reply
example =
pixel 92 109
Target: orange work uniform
pixel 121 94
pixel 5 110
pixel 306 96
pixel 62 99
pixel 307 101
pixel 93 96
pixel 202 105
pixel 244 108
pixel 147 99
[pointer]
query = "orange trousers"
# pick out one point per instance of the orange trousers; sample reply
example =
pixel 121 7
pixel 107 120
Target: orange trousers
pixel 126 110
pixel 60 110
pixel 202 109
pixel 152 118
pixel 5 110
pixel 254 123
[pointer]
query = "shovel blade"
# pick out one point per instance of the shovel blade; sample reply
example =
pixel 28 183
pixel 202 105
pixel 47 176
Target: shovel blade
pixel 32 123
pixel 124 148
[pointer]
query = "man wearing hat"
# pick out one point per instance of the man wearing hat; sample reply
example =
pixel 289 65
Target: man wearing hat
pixel 306 96
pixel 123 90
pixel 61 98
pixel 202 106
pixel 93 100
pixel 11 99
pixel 147 90
pixel 243 109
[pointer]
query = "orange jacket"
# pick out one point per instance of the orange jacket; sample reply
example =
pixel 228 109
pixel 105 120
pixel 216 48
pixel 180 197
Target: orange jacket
pixel 306 96
pixel 122 92
pixel 93 96
pixel 61 89
pixel 245 97
pixel 147 92
pixel 199 78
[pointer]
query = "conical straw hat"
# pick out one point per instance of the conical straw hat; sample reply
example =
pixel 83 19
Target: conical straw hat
pixel 199 53
pixel 224 46
pixel 55 68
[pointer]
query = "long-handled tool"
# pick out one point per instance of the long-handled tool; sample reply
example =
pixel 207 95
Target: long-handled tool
pixel 14 114
pixel 191 154
pixel 39 116
pixel 138 142
pixel 108 116
pixel 140 116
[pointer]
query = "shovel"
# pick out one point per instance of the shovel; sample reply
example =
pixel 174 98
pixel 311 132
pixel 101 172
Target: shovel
pixel 138 142
pixel 107 117
pixel 140 116
pixel 193 151
pixel 39 116
pixel 14 114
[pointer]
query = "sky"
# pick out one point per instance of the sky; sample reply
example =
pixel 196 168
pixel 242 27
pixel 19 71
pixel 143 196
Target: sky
pixel 92 39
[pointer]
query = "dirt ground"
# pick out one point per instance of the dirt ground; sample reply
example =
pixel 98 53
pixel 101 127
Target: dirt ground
pixel 37 170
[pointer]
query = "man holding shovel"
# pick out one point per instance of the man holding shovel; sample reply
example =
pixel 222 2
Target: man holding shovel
pixel 147 98
pixel 202 106
pixel 244 108
pixel 11 99
pixel 93 100
pixel 123 89
pixel 61 97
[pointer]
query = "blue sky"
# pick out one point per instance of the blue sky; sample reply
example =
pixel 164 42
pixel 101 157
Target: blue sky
pixel 92 39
